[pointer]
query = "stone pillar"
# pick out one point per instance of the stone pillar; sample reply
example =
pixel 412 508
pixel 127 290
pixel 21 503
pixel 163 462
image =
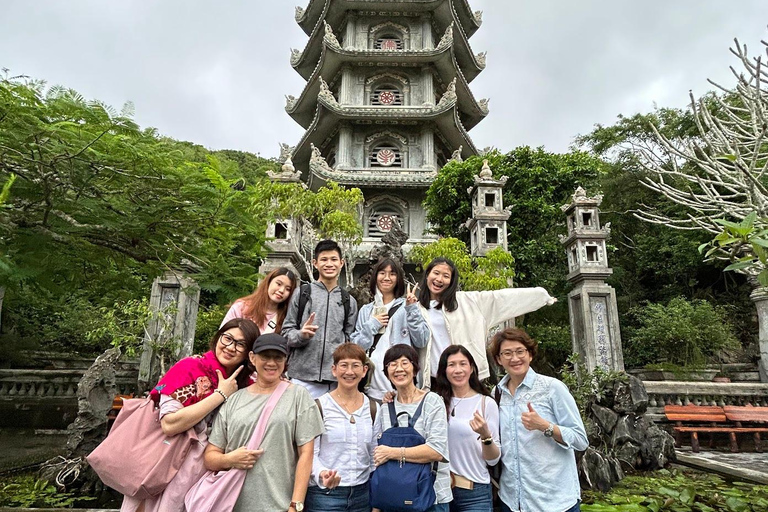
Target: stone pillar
pixel 346 90
pixel 488 225
pixel 170 335
pixel 428 150
pixel 351 31
pixel 344 155
pixel 760 297
pixel 428 86
pixel 592 303
pixel 2 296
pixel 426 34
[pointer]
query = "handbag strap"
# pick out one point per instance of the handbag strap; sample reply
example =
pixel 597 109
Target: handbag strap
pixel 261 425
pixel 377 336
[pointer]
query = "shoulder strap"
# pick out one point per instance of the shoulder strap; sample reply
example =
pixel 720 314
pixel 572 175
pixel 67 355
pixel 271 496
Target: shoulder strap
pixel 372 406
pixel 497 395
pixel 483 407
pixel 416 414
pixel 317 401
pixel 345 303
pixel 304 294
pixel 392 414
pixel 377 336
pixel 261 425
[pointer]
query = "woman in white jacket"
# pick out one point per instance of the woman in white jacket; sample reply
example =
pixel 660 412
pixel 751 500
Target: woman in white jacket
pixel 457 317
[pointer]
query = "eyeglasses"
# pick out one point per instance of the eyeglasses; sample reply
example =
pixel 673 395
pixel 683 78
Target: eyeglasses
pixel 519 353
pixel 227 340
pixel 402 364
pixel 346 366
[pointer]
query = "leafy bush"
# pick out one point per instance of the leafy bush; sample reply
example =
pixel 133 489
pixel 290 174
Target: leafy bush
pixel 677 491
pixel 555 345
pixel 588 387
pixel 28 492
pixel 688 333
pixel 208 321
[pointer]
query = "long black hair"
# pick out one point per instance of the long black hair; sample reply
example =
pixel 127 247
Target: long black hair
pixel 250 332
pixel 399 290
pixel 443 387
pixel 448 297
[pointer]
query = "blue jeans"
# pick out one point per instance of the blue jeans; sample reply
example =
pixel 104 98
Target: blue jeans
pixel 478 499
pixel 437 507
pixel 340 499
pixel 575 508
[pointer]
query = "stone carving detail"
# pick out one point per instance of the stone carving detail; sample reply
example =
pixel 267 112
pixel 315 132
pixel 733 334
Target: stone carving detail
pixel 483 103
pixel 300 12
pixel 295 56
pixel 326 94
pixel 381 135
pixel 447 40
pixel 290 102
pixel 286 150
pixel 456 156
pixel 330 37
pixel 481 59
pixel 479 17
pixel 449 96
pixel 402 79
pixel 287 172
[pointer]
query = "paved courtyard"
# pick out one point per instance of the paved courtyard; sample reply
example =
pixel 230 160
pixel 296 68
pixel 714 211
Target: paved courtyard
pixel 744 466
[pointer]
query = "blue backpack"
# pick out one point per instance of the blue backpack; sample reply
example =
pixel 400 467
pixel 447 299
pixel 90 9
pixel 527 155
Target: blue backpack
pixel 406 487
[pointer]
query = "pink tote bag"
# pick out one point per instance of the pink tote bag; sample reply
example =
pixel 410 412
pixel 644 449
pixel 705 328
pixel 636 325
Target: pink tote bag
pixel 137 458
pixel 218 491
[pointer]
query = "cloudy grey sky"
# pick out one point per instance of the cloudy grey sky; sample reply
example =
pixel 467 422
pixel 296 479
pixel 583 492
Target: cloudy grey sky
pixel 216 72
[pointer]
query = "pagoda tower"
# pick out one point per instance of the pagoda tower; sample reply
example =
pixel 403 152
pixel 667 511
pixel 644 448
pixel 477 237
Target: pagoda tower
pixel 387 102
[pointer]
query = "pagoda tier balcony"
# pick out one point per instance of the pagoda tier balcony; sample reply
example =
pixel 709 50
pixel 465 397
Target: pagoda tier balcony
pixel 442 59
pixel 305 62
pixel 444 117
pixel 321 173
pixel 445 11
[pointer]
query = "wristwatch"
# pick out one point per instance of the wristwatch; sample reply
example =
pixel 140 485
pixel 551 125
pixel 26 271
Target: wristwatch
pixel 549 432
pixel 298 505
pixel 487 441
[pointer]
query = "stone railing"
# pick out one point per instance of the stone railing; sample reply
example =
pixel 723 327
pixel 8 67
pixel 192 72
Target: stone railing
pixel 53 383
pixel 661 393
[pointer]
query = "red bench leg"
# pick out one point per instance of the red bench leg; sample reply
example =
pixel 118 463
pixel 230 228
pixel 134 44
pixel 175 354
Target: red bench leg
pixel 758 448
pixel 734 443
pixel 695 442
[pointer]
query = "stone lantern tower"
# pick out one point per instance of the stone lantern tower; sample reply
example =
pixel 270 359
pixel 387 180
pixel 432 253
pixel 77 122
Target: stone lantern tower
pixel 592 303
pixel 488 225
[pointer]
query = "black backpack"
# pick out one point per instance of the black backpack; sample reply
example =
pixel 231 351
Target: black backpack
pixel 304 295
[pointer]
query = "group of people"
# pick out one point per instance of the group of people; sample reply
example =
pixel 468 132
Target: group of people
pixel 421 348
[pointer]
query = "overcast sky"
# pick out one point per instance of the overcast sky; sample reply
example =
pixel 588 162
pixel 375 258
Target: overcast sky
pixel 216 72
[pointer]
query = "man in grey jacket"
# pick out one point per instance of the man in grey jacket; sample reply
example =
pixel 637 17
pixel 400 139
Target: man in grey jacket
pixel 327 321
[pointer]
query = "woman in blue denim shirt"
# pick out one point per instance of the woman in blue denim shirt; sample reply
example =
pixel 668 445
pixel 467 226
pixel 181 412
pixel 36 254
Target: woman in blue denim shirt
pixel 540 429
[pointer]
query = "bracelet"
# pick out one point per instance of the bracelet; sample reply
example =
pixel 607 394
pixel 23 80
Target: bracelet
pixel 402 456
pixel 222 394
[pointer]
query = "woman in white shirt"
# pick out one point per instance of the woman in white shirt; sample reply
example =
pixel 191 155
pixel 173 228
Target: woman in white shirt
pixel 387 321
pixel 457 317
pixel 343 454
pixel 473 429
pixel 268 304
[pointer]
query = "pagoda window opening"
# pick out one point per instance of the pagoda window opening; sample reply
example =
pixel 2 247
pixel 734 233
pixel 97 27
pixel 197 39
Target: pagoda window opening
pixel 385 154
pixel 586 219
pixel 281 231
pixel 492 236
pixel 382 219
pixel 387 95
pixel 490 200
pixel 592 254
pixel 389 42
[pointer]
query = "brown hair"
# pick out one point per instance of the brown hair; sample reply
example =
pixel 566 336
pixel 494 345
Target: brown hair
pixel 399 290
pixel 349 351
pixel 255 304
pixel 512 334
pixel 395 352
pixel 250 332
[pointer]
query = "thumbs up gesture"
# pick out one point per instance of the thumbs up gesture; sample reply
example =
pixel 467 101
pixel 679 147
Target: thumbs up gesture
pixel 532 421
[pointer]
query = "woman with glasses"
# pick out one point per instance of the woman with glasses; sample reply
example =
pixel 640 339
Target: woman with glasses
pixel 401 364
pixel 344 453
pixel 457 317
pixel 278 472
pixel 268 304
pixel 389 320
pixel 473 429
pixel 188 394
pixel 541 429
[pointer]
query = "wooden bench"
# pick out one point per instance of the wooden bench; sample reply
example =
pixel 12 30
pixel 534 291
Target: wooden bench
pixel 712 419
pixel 117 404
pixel 748 419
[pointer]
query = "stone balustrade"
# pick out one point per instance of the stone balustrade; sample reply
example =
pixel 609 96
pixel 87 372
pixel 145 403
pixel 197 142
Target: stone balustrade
pixel 661 393
pixel 53 383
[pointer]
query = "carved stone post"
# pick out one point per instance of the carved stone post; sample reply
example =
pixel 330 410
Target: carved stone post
pixel 2 296
pixel 170 335
pixel 592 303
pixel 488 225
pixel 760 297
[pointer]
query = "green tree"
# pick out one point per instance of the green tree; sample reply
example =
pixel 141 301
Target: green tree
pixel 539 183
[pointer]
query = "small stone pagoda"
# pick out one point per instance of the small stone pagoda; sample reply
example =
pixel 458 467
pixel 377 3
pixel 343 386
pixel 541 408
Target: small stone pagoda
pixel 387 102
pixel 592 303
pixel 488 225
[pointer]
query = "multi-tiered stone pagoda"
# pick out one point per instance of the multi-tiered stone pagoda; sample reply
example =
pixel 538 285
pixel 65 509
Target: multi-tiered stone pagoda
pixel 387 102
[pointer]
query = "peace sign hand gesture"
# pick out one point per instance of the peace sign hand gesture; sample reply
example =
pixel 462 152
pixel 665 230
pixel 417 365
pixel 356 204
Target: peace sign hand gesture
pixel 228 385
pixel 410 296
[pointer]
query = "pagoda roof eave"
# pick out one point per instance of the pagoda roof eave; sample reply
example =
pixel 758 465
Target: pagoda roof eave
pixel 305 62
pixel 317 10
pixel 332 59
pixel 329 114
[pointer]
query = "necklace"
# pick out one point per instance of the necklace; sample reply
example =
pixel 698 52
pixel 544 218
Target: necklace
pixel 345 406
pixel 459 398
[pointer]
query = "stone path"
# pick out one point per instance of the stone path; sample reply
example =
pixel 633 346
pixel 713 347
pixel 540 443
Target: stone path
pixel 744 466
pixel 24 447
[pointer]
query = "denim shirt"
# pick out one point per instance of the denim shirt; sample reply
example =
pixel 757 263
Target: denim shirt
pixel 538 473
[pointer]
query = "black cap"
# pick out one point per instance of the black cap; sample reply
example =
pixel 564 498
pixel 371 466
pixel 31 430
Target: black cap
pixel 271 341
